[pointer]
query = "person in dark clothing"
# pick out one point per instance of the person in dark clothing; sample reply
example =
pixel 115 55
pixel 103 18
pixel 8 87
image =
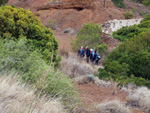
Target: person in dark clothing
pixel 87 54
pixel 92 55
pixel 81 52
pixel 97 58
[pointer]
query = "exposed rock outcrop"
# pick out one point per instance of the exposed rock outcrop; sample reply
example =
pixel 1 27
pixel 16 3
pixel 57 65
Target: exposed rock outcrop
pixel 74 4
pixel 113 25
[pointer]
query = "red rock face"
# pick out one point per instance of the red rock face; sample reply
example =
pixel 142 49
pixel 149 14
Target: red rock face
pixel 71 13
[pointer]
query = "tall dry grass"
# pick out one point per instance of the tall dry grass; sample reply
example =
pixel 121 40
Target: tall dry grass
pixel 113 107
pixel 139 98
pixel 75 66
pixel 78 69
pixel 16 98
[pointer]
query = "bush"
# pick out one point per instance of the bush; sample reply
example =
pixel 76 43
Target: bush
pixel 142 13
pixel 133 10
pixel 119 3
pixel 128 32
pixel 52 24
pixel 145 24
pixel 146 18
pixel 17 22
pixel 102 48
pixel 89 35
pixel 16 57
pixel 132 31
pixel 129 58
pixel 146 2
pixel 128 15
pixel 2 2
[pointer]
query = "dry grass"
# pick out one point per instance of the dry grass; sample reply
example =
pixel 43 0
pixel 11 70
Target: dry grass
pixel 15 98
pixel 113 107
pixel 79 69
pixel 97 81
pixel 139 98
pixel 74 66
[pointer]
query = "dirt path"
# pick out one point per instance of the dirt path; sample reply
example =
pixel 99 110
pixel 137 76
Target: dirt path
pixel 64 40
pixel 91 94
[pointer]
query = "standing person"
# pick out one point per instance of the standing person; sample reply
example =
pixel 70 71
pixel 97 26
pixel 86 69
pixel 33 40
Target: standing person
pixel 87 54
pixel 92 54
pixel 81 52
pixel 97 58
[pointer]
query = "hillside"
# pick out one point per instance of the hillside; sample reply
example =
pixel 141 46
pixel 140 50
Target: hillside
pixel 118 83
pixel 71 13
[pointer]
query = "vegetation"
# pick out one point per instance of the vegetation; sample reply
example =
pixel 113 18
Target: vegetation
pixel 16 98
pixel 102 48
pixel 133 31
pixel 128 15
pixel 52 24
pixel 147 17
pixel 146 2
pixel 133 10
pixel 2 2
pixel 16 23
pixel 29 49
pixel 16 57
pixel 130 62
pixel 119 3
pixel 89 35
pixel 142 13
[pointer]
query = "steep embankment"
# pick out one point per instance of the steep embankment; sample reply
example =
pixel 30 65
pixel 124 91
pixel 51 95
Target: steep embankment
pixel 71 13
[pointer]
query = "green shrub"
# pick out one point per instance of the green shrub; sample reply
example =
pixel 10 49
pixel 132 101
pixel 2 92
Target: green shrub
pixel 52 24
pixel 146 2
pixel 17 22
pixel 133 10
pixel 119 3
pixel 102 48
pixel 146 18
pixel 145 24
pixel 142 13
pixel 17 57
pixel 89 35
pixel 132 31
pixel 2 2
pixel 123 80
pixel 128 15
pixel 128 32
pixel 132 57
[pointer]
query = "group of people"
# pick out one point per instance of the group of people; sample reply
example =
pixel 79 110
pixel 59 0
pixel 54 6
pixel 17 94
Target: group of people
pixel 91 55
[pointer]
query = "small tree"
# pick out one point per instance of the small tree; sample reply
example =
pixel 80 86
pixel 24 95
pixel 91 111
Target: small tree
pixel 89 35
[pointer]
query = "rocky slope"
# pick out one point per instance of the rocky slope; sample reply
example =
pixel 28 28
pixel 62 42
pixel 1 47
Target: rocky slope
pixel 71 13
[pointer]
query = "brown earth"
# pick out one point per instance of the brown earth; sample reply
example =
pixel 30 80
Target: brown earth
pixel 71 13
pixel 138 7
pixel 91 94
pixel 64 41
pixel 75 14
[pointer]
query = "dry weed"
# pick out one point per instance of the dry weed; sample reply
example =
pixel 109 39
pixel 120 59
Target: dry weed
pixel 139 98
pixel 15 98
pixel 103 83
pixel 113 107
pixel 74 66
